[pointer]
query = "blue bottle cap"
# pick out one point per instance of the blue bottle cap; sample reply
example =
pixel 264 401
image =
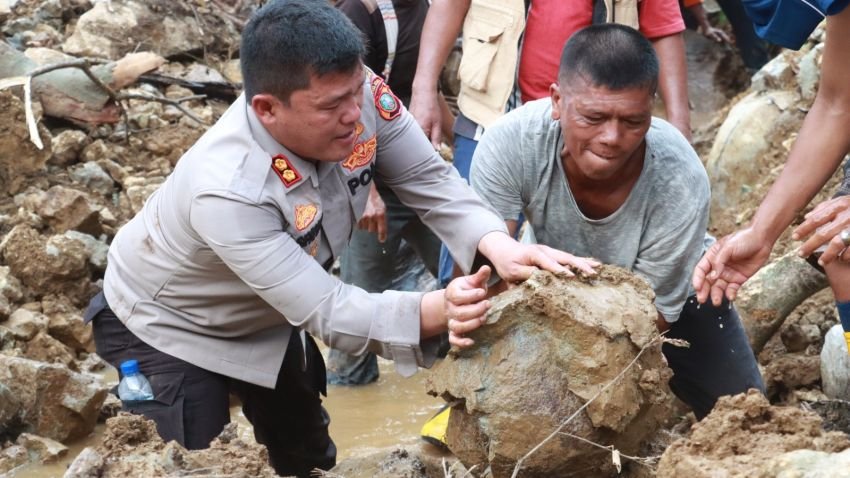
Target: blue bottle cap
pixel 129 367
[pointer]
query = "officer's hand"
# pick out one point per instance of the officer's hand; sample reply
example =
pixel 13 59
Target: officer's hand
pixel 466 305
pixel 515 262
pixel 425 108
pixel 375 216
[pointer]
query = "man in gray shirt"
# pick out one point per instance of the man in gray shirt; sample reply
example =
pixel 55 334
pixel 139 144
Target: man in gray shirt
pixel 597 176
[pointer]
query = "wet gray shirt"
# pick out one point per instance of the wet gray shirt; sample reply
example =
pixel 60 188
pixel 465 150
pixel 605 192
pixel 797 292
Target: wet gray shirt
pixel 658 232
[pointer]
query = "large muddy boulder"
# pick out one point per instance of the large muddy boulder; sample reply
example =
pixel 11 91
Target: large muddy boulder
pixel 55 402
pixel 742 434
pixel 131 448
pixel 549 347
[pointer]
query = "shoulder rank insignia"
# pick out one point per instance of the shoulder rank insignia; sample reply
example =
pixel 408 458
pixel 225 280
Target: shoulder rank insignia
pixel 304 215
pixel 388 105
pixel 284 170
pixel 361 155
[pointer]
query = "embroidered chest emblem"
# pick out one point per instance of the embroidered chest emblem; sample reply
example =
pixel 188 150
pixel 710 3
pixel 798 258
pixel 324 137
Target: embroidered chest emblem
pixel 304 215
pixel 388 105
pixel 284 170
pixel 361 155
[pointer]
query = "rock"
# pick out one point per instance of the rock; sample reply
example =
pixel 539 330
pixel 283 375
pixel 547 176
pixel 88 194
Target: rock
pixel 86 465
pixel 134 449
pixel 110 408
pixel 99 151
pixel 13 457
pixel 10 409
pixel 57 265
pixel 834 413
pixel 67 147
pixel 741 434
pixel 734 164
pixel 19 157
pixel 583 332
pixel 46 56
pixel 808 76
pixel 65 209
pixel 808 463
pixel 791 371
pixel 26 324
pixel 138 189
pixel 154 25
pixel 65 323
pixel 835 365
pixel 5 10
pixel 798 337
pixel 44 348
pixel 232 71
pixel 42 450
pixel 395 462
pixel 93 177
pixel 56 402
pixel 10 292
pixel 95 249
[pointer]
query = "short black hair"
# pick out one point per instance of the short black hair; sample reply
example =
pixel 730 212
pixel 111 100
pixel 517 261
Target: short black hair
pixel 613 56
pixel 288 40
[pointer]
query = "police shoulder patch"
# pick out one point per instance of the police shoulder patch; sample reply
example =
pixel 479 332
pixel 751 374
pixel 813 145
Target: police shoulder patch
pixel 388 105
pixel 284 170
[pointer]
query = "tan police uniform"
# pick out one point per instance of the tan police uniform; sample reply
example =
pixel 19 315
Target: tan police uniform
pixel 226 259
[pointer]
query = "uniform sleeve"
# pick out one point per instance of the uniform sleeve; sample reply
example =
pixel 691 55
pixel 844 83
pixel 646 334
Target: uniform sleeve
pixel 660 18
pixel 424 182
pixel 673 242
pixel 251 241
pixel 497 169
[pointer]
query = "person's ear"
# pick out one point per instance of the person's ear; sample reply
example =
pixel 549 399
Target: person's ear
pixel 266 107
pixel 555 94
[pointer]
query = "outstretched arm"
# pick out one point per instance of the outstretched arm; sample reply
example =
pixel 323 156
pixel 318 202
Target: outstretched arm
pixel 823 141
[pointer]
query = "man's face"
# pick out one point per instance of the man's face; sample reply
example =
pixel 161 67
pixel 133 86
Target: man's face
pixel 318 122
pixel 602 128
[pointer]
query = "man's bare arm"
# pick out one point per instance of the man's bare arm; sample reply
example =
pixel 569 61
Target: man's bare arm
pixel 673 81
pixel 442 26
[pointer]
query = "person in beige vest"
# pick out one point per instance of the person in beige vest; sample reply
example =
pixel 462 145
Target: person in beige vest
pixel 218 283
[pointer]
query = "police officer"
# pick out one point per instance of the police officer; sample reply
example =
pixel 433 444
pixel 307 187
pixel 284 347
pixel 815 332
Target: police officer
pixel 212 286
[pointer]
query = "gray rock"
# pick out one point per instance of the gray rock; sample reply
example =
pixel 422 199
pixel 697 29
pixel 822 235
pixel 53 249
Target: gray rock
pixel 10 409
pixel 394 462
pixel 808 76
pixel 548 347
pixel 93 177
pixel 56 402
pixel 88 464
pixel 835 365
pixel 10 292
pixel 64 209
pixel 95 248
pixel 13 457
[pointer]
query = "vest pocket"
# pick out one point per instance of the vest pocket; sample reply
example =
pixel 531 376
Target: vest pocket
pixel 481 41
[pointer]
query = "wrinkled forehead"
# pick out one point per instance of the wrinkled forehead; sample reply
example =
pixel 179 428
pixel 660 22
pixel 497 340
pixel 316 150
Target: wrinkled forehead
pixel 627 101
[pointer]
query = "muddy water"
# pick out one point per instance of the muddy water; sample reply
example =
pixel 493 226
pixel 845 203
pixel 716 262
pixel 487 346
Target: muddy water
pixel 386 413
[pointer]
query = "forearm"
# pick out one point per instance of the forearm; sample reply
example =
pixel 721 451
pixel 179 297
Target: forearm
pixel 698 12
pixel 673 81
pixel 442 26
pixel 823 140
pixel 432 314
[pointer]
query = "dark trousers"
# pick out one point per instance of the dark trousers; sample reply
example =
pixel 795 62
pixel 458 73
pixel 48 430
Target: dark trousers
pixel 719 361
pixel 191 404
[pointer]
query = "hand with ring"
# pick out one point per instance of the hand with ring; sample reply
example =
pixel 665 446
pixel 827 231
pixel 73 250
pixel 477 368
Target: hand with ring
pixel 828 225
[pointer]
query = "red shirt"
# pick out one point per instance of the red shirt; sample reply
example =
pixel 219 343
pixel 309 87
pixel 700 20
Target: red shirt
pixel 551 23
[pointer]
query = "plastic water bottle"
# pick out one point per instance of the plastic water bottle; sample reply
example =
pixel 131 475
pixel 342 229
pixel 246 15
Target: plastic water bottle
pixel 134 385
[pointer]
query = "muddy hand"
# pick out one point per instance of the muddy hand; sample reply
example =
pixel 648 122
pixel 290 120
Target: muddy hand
pixel 823 226
pixel 728 264
pixel 466 305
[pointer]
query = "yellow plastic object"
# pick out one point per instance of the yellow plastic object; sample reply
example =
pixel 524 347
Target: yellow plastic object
pixel 434 430
pixel 846 339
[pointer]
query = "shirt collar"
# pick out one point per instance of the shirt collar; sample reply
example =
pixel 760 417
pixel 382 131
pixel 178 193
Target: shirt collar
pixel 307 169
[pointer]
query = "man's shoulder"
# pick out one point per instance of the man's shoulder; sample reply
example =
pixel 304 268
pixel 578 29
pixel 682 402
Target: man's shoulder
pixel 531 119
pixel 675 164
